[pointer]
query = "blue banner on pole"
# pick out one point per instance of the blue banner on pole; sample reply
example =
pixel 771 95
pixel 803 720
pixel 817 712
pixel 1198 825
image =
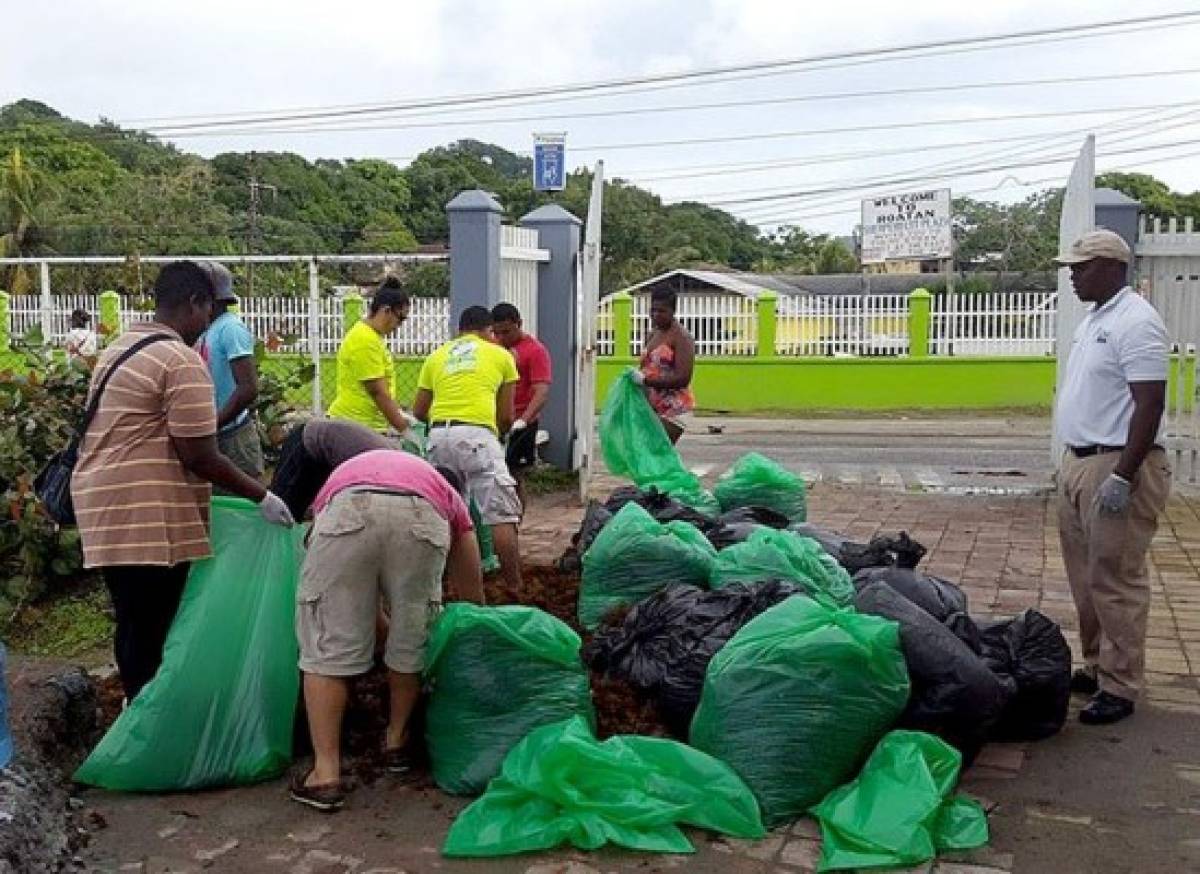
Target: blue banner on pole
pixel 549 163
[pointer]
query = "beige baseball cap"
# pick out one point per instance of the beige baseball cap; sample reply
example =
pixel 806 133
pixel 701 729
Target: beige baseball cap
pixel 1097 244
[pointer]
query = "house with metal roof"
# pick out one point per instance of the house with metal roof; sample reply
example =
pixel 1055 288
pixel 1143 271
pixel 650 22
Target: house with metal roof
pixel 751 285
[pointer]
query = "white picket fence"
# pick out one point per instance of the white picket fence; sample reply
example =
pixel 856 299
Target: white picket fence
pixel 1008 323
pixel 720 324
pixel 842 326
pixel 1019 323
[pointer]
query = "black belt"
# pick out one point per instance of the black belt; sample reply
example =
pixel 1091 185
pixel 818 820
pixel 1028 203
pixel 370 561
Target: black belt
pixel 1089 451
pixel 455 423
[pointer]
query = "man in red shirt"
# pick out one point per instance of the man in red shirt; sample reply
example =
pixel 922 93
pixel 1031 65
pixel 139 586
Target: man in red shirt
pixel 533 389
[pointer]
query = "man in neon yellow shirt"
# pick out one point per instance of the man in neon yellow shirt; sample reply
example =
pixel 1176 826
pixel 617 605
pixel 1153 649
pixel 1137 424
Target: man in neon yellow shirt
pixel 465 392
pixel 365 369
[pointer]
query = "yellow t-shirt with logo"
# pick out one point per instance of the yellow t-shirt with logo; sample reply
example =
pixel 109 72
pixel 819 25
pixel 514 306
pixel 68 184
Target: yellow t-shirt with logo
pixel 464 376
pixel 362 356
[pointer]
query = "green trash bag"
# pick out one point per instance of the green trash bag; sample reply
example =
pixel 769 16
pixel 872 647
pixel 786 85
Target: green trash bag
pixel 898 811
pixel 797 700
pixel 561 785
pixel 757 481
pixel 635 445
pixel 222 707
pixel 494 674
pixel 634 557
pixel 768 554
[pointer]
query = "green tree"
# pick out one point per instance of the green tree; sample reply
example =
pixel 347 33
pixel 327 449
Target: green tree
pixel 21 189
pixel 834 257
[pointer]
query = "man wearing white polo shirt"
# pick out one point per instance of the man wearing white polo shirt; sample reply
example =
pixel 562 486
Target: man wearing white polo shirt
pixel 1114 479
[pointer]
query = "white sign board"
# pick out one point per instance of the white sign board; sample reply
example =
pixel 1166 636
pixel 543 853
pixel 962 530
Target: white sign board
pixel 907 227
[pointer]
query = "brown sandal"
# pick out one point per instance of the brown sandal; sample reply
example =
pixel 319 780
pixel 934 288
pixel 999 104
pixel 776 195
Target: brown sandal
pixel 327 797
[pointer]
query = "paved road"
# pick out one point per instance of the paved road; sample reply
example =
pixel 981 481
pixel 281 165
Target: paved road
pixel 953 454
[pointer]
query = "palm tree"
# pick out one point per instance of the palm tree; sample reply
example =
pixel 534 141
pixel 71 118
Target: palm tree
pixel 20 192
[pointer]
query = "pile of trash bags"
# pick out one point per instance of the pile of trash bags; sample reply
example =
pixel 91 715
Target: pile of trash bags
pixel 494 674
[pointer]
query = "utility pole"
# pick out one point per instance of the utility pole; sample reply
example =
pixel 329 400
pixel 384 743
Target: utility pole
pixel 252 240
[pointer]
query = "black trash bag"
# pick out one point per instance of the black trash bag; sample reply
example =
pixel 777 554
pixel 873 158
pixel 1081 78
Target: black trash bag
pixel 885 550
pixel 1030 650
pixel 954 695
pixel 665 643
pixel 830 541
pixel 756 515
pixel 904 551
pixel 736 526
pixel 595 517
pixel 964 628
pixel 658 504
pixel 939 598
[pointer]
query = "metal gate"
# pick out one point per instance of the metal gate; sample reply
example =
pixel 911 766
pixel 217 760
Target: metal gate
pixel 1168 273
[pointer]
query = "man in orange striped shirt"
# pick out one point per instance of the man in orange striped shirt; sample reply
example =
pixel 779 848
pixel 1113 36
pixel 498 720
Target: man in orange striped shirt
pixel 146 467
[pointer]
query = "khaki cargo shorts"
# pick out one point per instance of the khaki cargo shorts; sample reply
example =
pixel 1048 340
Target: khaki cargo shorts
pixel 366 545
pixel 475 454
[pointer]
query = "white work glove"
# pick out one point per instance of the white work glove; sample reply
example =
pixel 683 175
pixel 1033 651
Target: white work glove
pixel 638 377
pixel 1114 495
pixel 518 425
pixel 275 511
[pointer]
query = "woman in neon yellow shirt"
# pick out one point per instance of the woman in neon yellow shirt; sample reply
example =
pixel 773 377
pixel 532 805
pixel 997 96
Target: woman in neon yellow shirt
pixel 365 369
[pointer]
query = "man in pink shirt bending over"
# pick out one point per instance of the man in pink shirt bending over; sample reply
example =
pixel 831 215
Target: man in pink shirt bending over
pixel 388 525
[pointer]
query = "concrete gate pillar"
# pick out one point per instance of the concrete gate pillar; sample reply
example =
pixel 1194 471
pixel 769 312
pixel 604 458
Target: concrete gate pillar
pixel 559 234
pixel 474 217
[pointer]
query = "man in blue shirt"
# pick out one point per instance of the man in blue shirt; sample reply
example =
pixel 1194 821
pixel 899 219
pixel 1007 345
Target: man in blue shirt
pixel 227 347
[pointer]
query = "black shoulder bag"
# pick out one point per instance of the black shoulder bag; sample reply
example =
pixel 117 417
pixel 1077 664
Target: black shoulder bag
pixel 53 483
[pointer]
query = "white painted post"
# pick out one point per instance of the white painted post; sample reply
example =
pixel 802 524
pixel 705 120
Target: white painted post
pixel 587 299
pixel 1078 217
pixel 47 304
pixel 314 331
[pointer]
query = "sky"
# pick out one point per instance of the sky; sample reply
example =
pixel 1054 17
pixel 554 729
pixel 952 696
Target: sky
pixel 138 63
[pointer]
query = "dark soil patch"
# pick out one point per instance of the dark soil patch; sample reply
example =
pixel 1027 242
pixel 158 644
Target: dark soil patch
pixel 543 587
pixel 620 709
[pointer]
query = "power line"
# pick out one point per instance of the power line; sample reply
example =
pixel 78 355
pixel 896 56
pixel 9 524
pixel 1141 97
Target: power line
pixel 1158 127
pixel 624 91
pixel 271 117
pixel 869 154
pixel 842 185
pixel 907 125
pixel 984 160
pixel 803 213
pixel 685 108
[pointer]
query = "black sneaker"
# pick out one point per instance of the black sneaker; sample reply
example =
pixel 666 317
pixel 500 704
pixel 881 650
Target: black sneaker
pixel 1083 682
pixel 1105 709
pixel 327 797
pixel 399 761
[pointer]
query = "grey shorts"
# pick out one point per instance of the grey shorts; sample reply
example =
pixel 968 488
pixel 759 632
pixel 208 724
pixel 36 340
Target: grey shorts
pixel 365 545
pixel 475 454
pixel 243 447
